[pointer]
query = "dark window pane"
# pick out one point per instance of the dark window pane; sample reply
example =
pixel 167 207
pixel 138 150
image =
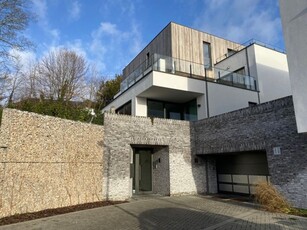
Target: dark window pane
pixel 125 109
pixel 230 52
pixel 176 111
pixel 240 71
pixel 173 111
pixel 155 109
pixel 207 55
pixel 190 111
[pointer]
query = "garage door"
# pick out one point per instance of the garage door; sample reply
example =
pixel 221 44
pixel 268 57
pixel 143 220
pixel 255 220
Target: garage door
pixel 240 172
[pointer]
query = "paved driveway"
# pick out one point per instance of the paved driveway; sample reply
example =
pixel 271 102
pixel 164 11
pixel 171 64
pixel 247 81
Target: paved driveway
pixel 184 212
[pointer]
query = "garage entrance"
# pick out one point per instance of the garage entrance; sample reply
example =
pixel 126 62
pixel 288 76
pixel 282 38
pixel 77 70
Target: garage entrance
pixel 240 172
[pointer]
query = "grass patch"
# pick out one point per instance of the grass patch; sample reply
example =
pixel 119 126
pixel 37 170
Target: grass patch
pixel 298 212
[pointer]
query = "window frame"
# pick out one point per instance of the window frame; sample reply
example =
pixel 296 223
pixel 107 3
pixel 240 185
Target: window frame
pixel 207 44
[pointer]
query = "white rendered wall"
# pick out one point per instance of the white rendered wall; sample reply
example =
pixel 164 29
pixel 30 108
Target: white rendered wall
pixel 223 99
pixel 239 60
pixel 141 106
pixel 172 81
pixel 294 22
pixel 267 66
pixel 233 62
pixel 272 74
pixel 202 109
pixel 130 94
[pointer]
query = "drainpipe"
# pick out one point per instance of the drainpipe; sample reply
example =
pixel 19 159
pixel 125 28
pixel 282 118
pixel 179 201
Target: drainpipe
pixel 207 96
pixel 247 62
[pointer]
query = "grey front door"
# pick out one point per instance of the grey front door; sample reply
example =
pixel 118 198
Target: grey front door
pixel 142 170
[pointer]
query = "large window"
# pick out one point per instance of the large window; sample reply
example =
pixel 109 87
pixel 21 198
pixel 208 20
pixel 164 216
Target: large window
pixel 190 111
pixel 124 109
pixel 155 108
pixel 177 111
pixel 207 55
pixel 173 111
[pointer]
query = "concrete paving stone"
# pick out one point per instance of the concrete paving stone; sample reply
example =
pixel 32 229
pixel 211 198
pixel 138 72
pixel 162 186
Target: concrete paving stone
pixel 182 212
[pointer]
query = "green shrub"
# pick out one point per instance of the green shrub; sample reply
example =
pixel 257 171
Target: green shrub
pixel 76 111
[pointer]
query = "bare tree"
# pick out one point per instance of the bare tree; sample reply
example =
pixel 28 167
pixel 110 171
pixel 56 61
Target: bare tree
pixel 28 78
pixel 32 75
pixel 61 75
pixel 14 18
pixel 93 83
pixel 14 80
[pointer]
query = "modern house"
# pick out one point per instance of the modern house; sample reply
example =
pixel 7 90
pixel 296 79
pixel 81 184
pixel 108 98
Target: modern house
pixel 187 74
pixel 231 124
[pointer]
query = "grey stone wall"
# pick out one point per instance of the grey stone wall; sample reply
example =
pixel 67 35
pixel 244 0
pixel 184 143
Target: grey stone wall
pixel 262 127
pixel 47 162
pixel 123 131
pixel 212 175
pixel 161 175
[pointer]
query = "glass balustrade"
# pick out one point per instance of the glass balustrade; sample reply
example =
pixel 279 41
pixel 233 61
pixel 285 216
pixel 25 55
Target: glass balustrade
pixel 184 68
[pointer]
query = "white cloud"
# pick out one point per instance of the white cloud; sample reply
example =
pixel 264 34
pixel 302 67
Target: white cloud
pixel 112 44
pixel 77 46
pixel 114 47
pixel 125 7
pixel 26 58
pixel 109 28
pixel 136 39
pixel 74 12
pixel 55 35
pixel 241 20
pixel 40 9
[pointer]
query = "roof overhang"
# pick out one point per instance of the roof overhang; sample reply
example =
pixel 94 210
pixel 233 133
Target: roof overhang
pixel 172 88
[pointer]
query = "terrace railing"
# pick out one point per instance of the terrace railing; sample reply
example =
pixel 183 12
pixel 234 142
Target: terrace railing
pixel 185 68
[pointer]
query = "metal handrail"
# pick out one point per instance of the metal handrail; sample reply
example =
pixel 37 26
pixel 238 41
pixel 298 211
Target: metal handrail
pixel 180 67
pixel 248 43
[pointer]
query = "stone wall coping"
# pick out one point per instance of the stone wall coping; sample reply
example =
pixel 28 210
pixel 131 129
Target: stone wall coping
pixel 261 108
pixel 37 115
pixel 128 118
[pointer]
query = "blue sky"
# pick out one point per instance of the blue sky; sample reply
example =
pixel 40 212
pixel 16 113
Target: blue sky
pixel 109 33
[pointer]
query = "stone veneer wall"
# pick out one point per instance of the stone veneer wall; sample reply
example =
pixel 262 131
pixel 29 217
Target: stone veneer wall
pixel 47 162
pixel 262 127
pixel 122 132
pixel 160 174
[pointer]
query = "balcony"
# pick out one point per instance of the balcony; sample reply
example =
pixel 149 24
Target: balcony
pixel 188 69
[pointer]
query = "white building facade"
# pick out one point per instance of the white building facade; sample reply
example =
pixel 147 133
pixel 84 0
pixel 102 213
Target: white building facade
pixel 294 17
pixel 186 74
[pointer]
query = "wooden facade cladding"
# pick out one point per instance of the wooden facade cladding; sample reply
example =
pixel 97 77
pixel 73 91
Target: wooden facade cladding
pixel 161 44
pixel 183 43
pixel 187 44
